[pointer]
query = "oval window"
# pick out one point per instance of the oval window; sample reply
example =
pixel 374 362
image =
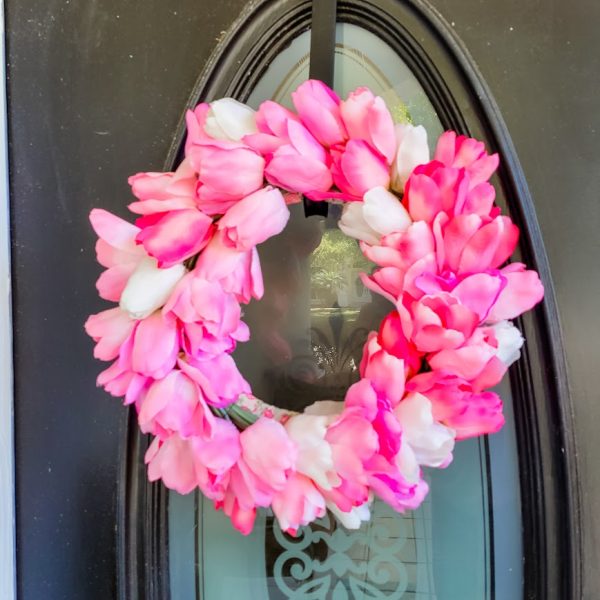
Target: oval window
pixel 307 337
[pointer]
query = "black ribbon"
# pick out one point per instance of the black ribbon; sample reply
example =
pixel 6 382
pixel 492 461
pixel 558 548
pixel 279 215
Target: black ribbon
pixel 322 57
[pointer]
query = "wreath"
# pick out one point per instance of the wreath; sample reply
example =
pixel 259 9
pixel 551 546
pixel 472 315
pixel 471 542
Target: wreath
pixel 439 247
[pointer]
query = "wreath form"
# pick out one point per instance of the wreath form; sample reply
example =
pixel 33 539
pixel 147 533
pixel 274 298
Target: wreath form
pixel 182 272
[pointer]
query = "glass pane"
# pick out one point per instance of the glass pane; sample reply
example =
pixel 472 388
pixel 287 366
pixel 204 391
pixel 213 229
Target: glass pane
pixel 307 337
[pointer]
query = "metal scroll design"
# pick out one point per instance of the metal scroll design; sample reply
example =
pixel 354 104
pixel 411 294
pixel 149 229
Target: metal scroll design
pixel 325 561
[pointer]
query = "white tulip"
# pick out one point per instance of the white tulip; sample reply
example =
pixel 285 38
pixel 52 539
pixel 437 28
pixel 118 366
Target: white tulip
pixel 149 288
pixel 354 517
pixel 510 341
pixel 411 151
pixel 229 119
pixel 315 456
pixel 431 442
pixel 379 214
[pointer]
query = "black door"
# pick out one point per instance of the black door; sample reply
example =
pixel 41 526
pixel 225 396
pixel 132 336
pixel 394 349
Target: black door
pixel 96 91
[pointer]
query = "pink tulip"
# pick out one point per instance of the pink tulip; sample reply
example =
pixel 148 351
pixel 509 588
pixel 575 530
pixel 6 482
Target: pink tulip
pixel 210 317
pixel 433 188
pixel 475 361
pixel 272 122
pixel 385 371
pixel 110 329
pixel 268 452
pixel 121 382
pixel 173 237
pixel 318 107
pixel 254 219
pixel 238 273
pixel 217 376
pixel 116 250
pixel 296 161
pixel 174 404
pixel 357 168
pixel 468 153
pixel 298 504
pixel 523 290
pixel 172 461
pixel 392 339
pixel 195 120
pixel 367 118
pixel 164 186
pixel 154 346
pixel 439 322
pixel 227 172
pixel 458 406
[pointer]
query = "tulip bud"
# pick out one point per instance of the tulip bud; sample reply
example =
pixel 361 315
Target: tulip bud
pixel 149 288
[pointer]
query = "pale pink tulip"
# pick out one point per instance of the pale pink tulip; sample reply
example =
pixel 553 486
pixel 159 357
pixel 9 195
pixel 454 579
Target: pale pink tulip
pixel 254 219
pixel 109 329
pixel 163 186
pixel 116 250
pixel 172 461
pixel 367 118
pixel 298 504
pixel 238 273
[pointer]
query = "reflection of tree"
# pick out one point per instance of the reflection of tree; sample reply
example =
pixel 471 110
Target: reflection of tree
pixel 332 260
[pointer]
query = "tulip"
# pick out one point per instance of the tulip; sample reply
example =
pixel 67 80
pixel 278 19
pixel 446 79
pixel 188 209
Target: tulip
pixel 431 442
pixel 510 340
pixel 149 288
pixel 228 119
pixel 174 236
pixel 380 213
pixel 318 107
pixel 315 458
pixel 227 171
pixel 411 151
pixel 466 153
pixel 367 118
pixel 357 168
pixel 254 219
pixel 299 503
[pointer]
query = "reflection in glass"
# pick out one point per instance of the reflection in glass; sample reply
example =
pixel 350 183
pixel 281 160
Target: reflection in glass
pixel 307 338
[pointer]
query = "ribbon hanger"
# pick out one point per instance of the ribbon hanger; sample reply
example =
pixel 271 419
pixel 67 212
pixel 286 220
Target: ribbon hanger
pixel 322 58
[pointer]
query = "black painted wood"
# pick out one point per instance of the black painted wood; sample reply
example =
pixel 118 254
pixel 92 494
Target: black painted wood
pixel 96 90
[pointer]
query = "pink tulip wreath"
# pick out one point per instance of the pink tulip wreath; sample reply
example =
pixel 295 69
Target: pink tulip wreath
pixel 181 273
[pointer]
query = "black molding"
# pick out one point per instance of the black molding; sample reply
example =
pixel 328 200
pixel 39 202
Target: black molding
pixel 551 498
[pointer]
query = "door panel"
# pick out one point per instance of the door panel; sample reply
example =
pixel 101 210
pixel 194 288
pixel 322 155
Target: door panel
pixel 96 90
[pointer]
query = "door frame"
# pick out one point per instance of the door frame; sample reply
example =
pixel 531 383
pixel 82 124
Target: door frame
pixel 7 479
